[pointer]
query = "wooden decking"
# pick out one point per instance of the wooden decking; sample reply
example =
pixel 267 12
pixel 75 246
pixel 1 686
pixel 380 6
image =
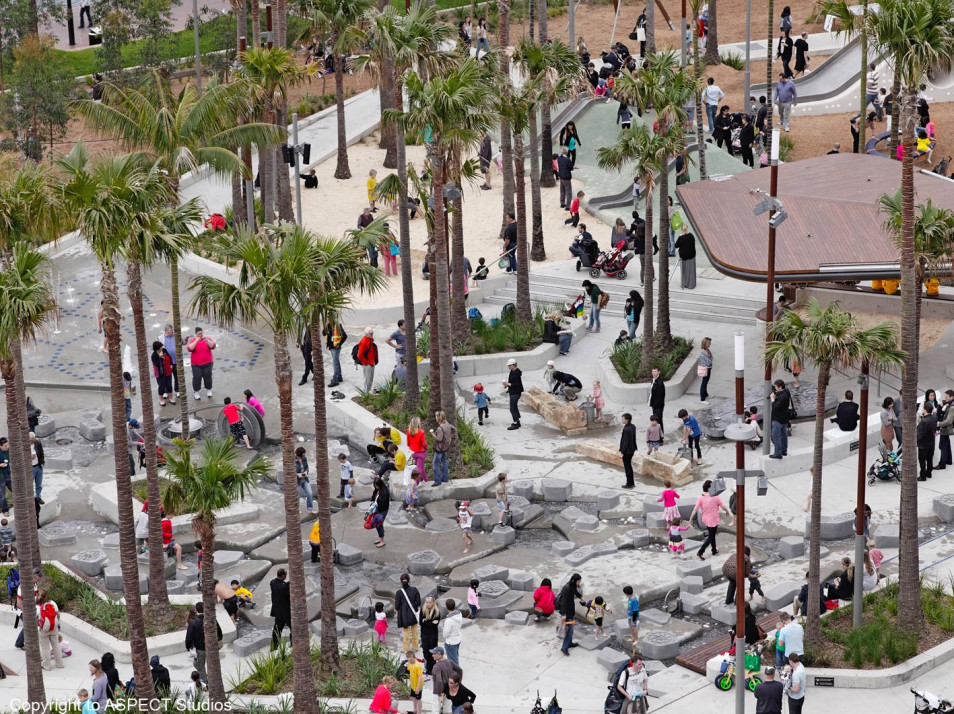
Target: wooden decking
pixel 697 658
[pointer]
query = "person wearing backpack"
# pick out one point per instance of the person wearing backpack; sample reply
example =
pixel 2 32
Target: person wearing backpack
pixel 47 622
pixel 597 302
pixel 335 337
pixel 365 354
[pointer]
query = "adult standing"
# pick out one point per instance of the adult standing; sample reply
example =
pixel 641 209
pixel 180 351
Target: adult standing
pixel 633 308
pixel 926 428
pixel 443 435
pixel 657 396
pixel 113 682
pixel 281 606
pixel 566 602
pixel 593 292
pixel 872 84
pixel 786 97
pixel 641 25
pixel 84 12
pixel 195 638
pixel 571 140
pixel 628 448
pixel 705 368
pixel 897 406
pixel 453 624
pixel 382 502
pixel 368 357
pixel 801 54
pixel 768 693
pixel 200 347
pixel 407 602
pixel 732 575
pixel 47 622
pixel 791 638
pixel 441 673
pixel 398 342
pixel 37 461
pixel 485 154
pixel 365 220
pixel 99 691
pixel 781 407
pixel 708 507
pixel 335 337
pixel 887 423
pixel 634 685
pixel 637 236
pixel 133 437
pixel 746 139
pixel 170 342
pixel 510 243
pixel 514 385
pixel 162 370
pixel 565 175
pixel 306 347
pixel 430 620
pixel 796 685
pixel 784 51
pixel 686 248
pixel 945 424
pixel 723 130
pixel 4 476
pixel 712 95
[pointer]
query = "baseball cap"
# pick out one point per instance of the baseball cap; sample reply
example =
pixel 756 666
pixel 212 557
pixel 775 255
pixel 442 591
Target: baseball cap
pixel 769 671
pixel 511 362
pixel 550 363
pixel 134 423
pixel 438 650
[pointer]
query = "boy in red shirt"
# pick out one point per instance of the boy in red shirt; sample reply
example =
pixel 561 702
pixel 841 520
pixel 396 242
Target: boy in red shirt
pixel 236 427
pixel 574 218
pixel 169 543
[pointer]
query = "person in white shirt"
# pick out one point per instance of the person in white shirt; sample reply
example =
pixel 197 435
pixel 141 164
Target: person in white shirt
pixel 452 626
pixel 712 95
pixel 634 685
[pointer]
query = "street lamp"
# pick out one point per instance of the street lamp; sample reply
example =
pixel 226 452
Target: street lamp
pixel 770 287
pixel 858 608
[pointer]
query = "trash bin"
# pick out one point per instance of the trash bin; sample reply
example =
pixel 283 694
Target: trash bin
pixel 589 409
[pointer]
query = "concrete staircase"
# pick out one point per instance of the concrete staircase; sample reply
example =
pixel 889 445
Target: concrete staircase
pixel 683 304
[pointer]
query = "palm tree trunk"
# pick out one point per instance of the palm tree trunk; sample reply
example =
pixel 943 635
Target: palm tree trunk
pixel 546 125
pixel 386 92
pixel 650 26
pixel 648 277
pixel 712 39
pixel 238 202
pixel 768 77
pixel 241 21
pixel 127 534
pixel 286 211
pixel 265 168
pixel 697 70
pixel 256 25
pixel 506 146
pixel 158 593
pixel 329 635
pixel 538 250
pixel 459 323
pixel 213 663
pixel 813 633
pixel 412 392
pixel 909 590
pixel 663 328
pixel 863 81
pixel 524 309
pixel 434 377
pixel 895 118
pixel 343 170
pixel 177 330
pixel 279 22
pixel 442 287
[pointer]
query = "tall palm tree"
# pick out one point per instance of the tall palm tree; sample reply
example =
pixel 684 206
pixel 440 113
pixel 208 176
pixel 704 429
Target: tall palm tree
pixel 712 37
pixel 506 136
pixel 109 201
pixel 697 73
pixel 666 88
pixel 271 291
pixel 830 338
pixel 649 152
pixel 650 26
pixel 203 488
pixel 183 131
pixel 546 123
pixel 339 270
pixel 915 37
pixel 342 19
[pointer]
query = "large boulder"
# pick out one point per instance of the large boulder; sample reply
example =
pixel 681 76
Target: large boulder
pixel 566 417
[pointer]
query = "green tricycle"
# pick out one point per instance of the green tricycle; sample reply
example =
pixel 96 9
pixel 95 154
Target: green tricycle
pixel 725 679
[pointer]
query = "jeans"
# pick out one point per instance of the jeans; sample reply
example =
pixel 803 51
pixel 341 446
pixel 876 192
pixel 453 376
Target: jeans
pixel 784 114
pixel 336 365
pixel 704 387
pixel 482 42
pixel 482 413
pixel 304 488
pixel 368 370
pixel 512 260
pixel 128 408
pixel 440 467
pixel 779 657
pixel 514 408
pixel 594 317
pixel 4 485
pixel 780 438
pixel 694 442
pixel 631 327
pixel 710 540
pixel 200 663
pixel 711 111
pixel 870 98
pixel 566 192
pixel 565 341
pixel 628 469
pixel 380 529
pixel 945 458
pixel 201 373
pixel 38 480
pixel 453 652
pixel 309 365
pixel 567 637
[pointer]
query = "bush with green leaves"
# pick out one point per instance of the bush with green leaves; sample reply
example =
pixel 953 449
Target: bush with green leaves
pixel 733 60
pixel 627 358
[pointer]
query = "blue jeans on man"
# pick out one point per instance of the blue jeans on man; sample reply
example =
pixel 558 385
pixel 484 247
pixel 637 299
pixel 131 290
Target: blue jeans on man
pixel 512 261
pixel 594 317
pixel 453 652
pixel 780 438
pixel 565 341
pixel 38 480
pixel 4 485
pixel 440 468
pixel 567 637
pixel 711 111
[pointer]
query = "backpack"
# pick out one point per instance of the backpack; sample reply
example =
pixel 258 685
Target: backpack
pixel 354 353
pixel 614 700
pixel 474 314
pixel 508 309
pixel 13 582
pixel 47 621
pixel 603 300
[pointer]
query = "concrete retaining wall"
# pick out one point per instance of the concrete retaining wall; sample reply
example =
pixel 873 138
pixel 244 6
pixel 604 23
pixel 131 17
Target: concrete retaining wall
pixel 838 445
pixel 618 391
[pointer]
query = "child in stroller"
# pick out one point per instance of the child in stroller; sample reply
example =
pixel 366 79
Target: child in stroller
pixel 887 467
pixel 612 263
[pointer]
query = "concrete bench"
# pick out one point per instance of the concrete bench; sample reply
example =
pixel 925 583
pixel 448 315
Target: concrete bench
pixel 838 445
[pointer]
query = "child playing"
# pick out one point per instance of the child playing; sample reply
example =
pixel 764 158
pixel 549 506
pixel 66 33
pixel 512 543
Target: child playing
pixel 127 394
pixel 465 517
pixel 622 339
pixel 574 218
pixel 676 546
pixel 314 540
pixel 482 402
pixel 411 499
pixel 349 492
pixel 654 434
pixel 236 427
pixel 503 500
pixel 86 704
pixel 380 621
pixel 599 608
pixel 415 679
pixel 347 471
pixel 244 595
pixel 637 191
pixel 482 270
pixel 755 586
pixel 632 613
pixel 876 556
pixel 598 400
pixel 472 599
pixel 668 498
pixel 372 182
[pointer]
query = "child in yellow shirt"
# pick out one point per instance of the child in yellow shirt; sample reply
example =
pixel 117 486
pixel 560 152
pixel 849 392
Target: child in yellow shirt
pixel 372 182
pixel 415 671
pixel 314 539
pixel 244 595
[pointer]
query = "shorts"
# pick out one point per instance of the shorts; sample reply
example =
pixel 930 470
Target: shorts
pixel 417 696
pixel 170 548
pixel 634 620
pixel 502 505
pixel 466 531
pixel 237 429
pixel 598 621
pixel 231 605
pixel 654 444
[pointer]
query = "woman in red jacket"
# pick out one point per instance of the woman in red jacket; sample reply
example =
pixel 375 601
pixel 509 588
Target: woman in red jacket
pixel 417 443
pixel 381 704
pixel 543 601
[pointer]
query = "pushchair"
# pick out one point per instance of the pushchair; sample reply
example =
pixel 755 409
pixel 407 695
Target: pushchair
pixel 613 263
pixel 586 251
pixel 887 467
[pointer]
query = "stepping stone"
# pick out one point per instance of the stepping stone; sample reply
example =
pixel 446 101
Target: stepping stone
pixel 348 554
pixel 56 534
pixel 587 523
pixel 781 595
pixel 397 518
pixel 655 616
pixel 638 537
pixel 522 488
pixel 563 548
pixel 888 535
pixel 111 540
pixel 611 659
pixel 492 589
pixel 58 458
pixel 591 644
pixel 587 552
pixel 252 642
pixel 90 562
pixel 316 626
pixel 522 580
pixel 353 628
pixel 691 584
pixel 92 429
pixel 653 666
pixel 175 587
pixel 113 575
pixel 607 501
pixel 247 572
pixel 424 562
pixel 517 618
pixel 834 527
pixel 656 520
pixel 225 559
pixel 557 490
pixel 944 507
pixel 524 516
pixel 659 644
pixel 621 629
pixel 723 613
pixel 45 426
pixel 387 588
pixel 791 546
pixel 693 604
pixel 491 572
pixel 483 515
pixel 695 567
pixel 250 536
pixel 503 534
pixel 566 519
pixel 169 565
pixel 442 525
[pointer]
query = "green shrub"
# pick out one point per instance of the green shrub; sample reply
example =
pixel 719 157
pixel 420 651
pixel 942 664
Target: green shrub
pixel 785 148
pixel 627 358
pixel 878 640
pixel 170 498
pixel 733 60
pixel 313 103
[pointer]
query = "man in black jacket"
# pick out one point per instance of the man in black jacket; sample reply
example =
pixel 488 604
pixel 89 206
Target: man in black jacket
pixel 657 396
pixel 926 428
pixel 160 677
pixel 627 447
pixel 195 640
pixel 281 606
pixel 565 174
pixel 566 384
pixel 514 385
pixel 781 404
pixel 407 602
pixel 846 415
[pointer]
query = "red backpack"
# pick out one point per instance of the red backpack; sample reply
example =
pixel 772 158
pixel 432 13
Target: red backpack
pixel 48 614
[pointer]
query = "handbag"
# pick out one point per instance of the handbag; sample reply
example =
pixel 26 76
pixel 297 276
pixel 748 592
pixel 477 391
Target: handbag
pixel 538 707
pixel 676 222
pixel 373 521
pixel 633 36
pixel 641 34
pixel 554 707
pixel 701 371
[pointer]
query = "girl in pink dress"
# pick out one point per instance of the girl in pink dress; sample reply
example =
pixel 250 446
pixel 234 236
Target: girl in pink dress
pixel 670 509
pixel 380 621
pixel 676 545
pixel 598 400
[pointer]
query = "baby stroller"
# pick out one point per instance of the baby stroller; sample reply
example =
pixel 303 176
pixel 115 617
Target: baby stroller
pixel 927 703
pixel 613 263
pixel 586 252
pixel 887 467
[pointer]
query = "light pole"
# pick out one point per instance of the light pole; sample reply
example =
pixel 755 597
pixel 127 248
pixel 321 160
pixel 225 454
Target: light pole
pixel 69 23
pixel 571 23
pixel 195 30
pixel 858 607
pixel 770 291
pixel 748 41
pixel 682 31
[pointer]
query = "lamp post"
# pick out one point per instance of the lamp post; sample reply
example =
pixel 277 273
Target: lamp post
pixel 770 292
pixel 858 607
pixel 69 23
pixel 195 30
pixel 297 167
pixel 748 41
pixel 683 41
pixel 571 23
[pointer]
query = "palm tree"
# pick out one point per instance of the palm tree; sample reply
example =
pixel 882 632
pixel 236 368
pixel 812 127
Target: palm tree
pixel 215 483
pixel 697 73
pixel 831 339
pixel 712 37
pixel 272 291
pixel 342 19
pixel 506 140
pixel 650 26
pixel 666 88
pixel 339 269
pixel 183 131
pixel 916 37
pixel 164 233
pixel 109 202
pixel 546 124
pixel 650 153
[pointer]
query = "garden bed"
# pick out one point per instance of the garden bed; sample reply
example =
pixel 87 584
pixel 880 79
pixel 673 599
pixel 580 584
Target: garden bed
pixel 486 338
pixel 627 359
pixel 363 666
pixel 171 506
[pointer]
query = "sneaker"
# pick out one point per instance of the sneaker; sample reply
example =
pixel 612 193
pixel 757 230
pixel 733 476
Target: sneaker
pixel 172 400
pixel 484 187
pixel 704 401
pixel 208 393
pixel 196 395
pixel 515 425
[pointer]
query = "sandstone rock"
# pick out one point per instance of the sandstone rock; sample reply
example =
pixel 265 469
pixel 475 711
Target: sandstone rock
pixel 568 418
pixel 605 452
